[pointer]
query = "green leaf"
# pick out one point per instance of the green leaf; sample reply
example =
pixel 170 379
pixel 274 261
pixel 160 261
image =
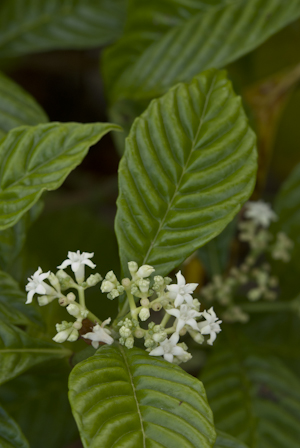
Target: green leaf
pixel 19 351
pixel 39 403
pixel 189 165
pixel 10 434
pixel 254 398
pixel 17 107
pixel 122 397
pixel 204 40
pixel 13 238
pixel 34 159
pixel 12 303
pixel 39 25
pixel 226 441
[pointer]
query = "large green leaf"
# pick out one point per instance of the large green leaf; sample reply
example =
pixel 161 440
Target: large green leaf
pixel 19 351
pixel 17 107
pixel 188 167
pixel 38 158
pixel 39 404
pixel 10 434
pixel 12 303
pixel 13 238
pixel 122 397
pixel 205 39
pixel 226 441
pixel 254 398
pixel 38 25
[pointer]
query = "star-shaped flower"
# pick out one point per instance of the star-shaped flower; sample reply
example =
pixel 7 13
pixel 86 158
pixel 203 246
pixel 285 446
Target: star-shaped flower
pixel 77 261
pixel 100 334
pixel 182 291
pixel 211 326
pixel 169 348
pixel 36 285
pixel 260 212
pixel 185 316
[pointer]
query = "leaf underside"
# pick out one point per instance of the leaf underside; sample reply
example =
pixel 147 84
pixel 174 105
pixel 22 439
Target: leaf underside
pixel 124 398
pixel 189 165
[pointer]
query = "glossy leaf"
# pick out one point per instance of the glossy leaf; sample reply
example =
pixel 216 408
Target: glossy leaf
pixel 19 351
pixel 204 40
pixel 10 434
pixel 12 303
pixel 13 238
pixel 254 398
pixel 188 167
pixel 39 403
pixel 226 441
pixel 38 158
pixel 39 25
pixel 122 397
pixel 17 107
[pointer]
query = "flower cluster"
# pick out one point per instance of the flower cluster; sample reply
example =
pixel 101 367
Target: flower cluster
pixel 144 294
pixel 252 278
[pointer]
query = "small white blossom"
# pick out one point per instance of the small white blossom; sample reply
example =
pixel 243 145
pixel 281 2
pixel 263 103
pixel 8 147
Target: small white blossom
pixel 77 261
pixel 185 316
pixel 169 348
pixel 36 285
pixel 65 332
pixel 100 334
pixel 211 326
pixel 182 291
pixel 144 314
pixel 260 212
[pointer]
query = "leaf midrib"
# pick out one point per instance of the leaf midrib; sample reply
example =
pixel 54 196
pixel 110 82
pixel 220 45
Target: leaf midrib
pixel 134 395
pixel 184 169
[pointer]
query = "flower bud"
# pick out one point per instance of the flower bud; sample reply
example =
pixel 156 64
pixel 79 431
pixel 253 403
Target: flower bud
pixel 73 335
pixel 139 333
pixel 144 314
pixel 62 336
pixel 144 302
pixel 133 267
pixel 129 342
pixel 110 276
pixel 44 300
pixel 107 286
pixel 54 281
pixel 159 337
pixel 126 283
pixel 74 310
pixel 71 297
pixel 93 279
pixel 125 332
pixel 149 343
pixel 64 279
pixel 113 294
pixel 145 271
pixel 144 285
pixel 63 301
pixel 182 332
pixel 77 325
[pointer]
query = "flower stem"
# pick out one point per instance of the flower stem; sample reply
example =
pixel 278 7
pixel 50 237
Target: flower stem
pixel 81 296
pixel 131 303
pixel 165 320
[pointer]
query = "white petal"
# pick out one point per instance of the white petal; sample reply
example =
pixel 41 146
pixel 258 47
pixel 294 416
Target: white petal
pixel 192 323
pixel 64 264
pixel 188 298
pixel 180 324
pixel 168 357
pixel 40 289
pixel 178 351
pixel 174 338
pixel 180 279
pixel 89 263
pixel 174 312
pixel 75 266
pixel 190 287
pixel 95 344
pixel 178 301
pixel 29 297
pixel 158 351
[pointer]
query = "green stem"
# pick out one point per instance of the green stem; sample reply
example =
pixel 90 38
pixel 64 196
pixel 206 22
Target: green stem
pixel 165 320
pixel 81 296
pixel 131 303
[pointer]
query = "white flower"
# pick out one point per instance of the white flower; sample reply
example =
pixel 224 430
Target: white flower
pixel 182 291
pixel 211 326
pixel 169 348
pixel 77 262
pixel 185 316
pixel 260 212
pixel 100 334
pixel 36 285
